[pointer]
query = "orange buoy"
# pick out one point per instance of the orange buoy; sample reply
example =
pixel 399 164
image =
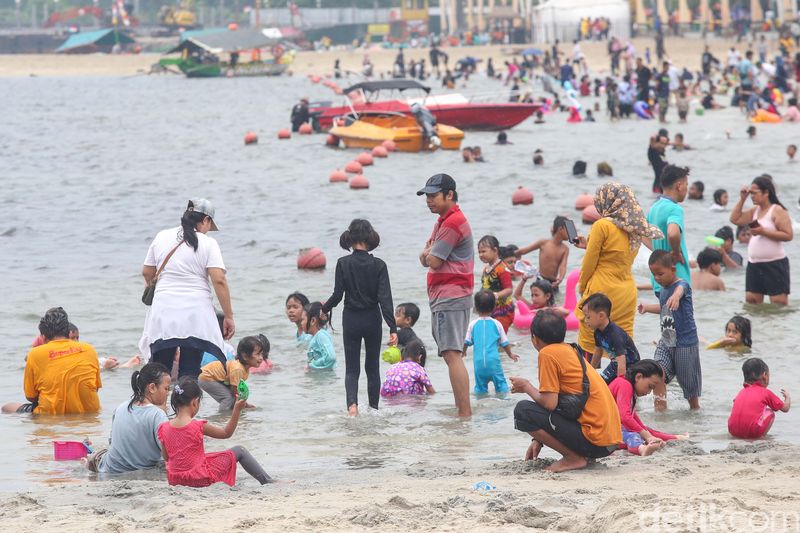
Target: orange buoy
pixel 359 182
pixel 284 134
pixel 305 129
pixel 590 214
pixel 250 137
pixel 389 145
pixel 314 78
pixel 337 90
pixel 522 196
pixel 311 259
pixel 233 26
pixel 365 158
pixel 338 176
pixel 353 167
pixel 332 140
pixel 380 151
pixel 583 201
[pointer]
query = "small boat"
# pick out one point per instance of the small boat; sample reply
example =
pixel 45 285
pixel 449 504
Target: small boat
pixel 200 55
pixel 409 133
pixel 454 109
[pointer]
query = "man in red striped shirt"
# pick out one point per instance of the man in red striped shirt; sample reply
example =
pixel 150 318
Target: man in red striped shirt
pixel 448 254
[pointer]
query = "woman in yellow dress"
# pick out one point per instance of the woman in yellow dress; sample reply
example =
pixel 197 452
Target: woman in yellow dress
pixel 611 247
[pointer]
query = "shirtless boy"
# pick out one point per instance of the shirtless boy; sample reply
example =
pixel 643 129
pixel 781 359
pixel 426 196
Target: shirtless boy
pixel 553 253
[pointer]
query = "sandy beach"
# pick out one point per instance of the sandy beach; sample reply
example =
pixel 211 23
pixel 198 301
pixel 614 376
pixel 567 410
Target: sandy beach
pixel 746 487
pixel 681 51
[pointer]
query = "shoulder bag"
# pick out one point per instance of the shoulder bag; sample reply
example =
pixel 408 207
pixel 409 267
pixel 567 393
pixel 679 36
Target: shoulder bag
pixel 571 405
pixel 150 290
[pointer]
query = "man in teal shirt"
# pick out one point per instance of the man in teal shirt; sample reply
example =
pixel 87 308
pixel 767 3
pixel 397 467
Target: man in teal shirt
pixel 667 215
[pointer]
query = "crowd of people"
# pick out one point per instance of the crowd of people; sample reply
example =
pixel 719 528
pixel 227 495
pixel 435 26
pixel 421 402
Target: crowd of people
pixel 578 409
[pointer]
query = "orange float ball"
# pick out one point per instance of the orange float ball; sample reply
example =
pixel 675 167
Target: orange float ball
pixel 353 167
pixel 338 176
pixel 365 158
pixel 250 137
pixel 331 140
pixel 314 78
pixel 305 129
pixel 380 151
pixel 522 196
pixel 359 182
pixel 590 215
pixel 389 145
pixel 233 26
pixel 311 259
pixel 284 134
pixel 583 201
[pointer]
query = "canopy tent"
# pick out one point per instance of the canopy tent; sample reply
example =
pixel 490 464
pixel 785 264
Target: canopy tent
pixel 388 85
pixel 560 19
pixel 219 42
pixel 94 41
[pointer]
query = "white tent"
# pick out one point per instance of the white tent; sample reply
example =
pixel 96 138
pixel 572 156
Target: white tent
pixel 560 19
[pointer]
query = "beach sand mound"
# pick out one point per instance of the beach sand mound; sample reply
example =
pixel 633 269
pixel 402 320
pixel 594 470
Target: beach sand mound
pixel 748 486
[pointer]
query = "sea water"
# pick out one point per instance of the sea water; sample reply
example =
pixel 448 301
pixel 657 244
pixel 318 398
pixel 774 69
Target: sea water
pixel 93 168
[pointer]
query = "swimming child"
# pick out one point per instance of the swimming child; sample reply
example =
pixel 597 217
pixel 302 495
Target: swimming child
pixel 730 257
pixel 295 308
pixel 678 350
pixel 222 383
pixel 497 279
pixel 408 376
pixel 486 334
pixel 266 364
pixel 405 316
pixel 508 255
pixel 754 407
pixel 321 353
pixel 543 296
pixel 696 190
pixel 133 445
pixel 608 337
pixel 707 278
pixel 743 234
pixel 737 336
pixel 640 379
pixel 553 253
pixel 182 443
pixel 791 151
pixel 678 144
pixel 363 281
pixel 720 200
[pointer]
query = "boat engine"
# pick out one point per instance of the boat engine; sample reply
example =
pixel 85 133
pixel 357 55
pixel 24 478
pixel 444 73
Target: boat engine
pixel 427 122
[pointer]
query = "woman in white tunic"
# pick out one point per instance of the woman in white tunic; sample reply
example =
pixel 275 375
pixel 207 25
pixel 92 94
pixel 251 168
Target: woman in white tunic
pixel 182 315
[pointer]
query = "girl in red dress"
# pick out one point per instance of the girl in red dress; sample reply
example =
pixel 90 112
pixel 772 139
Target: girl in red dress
pixel 182 443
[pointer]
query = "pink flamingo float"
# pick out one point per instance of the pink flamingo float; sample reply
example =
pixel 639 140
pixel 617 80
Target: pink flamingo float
pixel 523 315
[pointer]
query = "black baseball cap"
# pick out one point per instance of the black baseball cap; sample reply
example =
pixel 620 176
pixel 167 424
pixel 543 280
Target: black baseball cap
pixel 438 183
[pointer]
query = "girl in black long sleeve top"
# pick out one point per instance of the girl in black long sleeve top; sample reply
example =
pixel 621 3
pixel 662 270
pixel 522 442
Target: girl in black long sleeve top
pixel 363 280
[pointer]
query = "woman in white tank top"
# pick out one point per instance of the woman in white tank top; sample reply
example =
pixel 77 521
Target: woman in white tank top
pixel 771 226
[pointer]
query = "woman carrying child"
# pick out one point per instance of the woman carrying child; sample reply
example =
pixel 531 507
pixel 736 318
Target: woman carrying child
pixel 222 383
pixel 641 378
pixel 182 443
pixel 363 280
pixel 134 443
pixel 496 278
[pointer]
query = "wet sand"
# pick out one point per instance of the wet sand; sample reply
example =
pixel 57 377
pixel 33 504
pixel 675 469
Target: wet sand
pixel 681 51
pixel 746 487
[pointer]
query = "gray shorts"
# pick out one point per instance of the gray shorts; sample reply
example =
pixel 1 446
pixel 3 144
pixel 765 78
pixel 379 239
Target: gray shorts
pixel 220 392
pixel 682 362
pixel 450 329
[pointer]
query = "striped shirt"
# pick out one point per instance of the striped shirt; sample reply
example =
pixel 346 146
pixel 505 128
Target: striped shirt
pixel 450 286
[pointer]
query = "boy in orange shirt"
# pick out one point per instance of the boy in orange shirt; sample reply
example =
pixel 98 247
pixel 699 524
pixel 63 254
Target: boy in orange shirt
pixel 595 432
pixel 62 376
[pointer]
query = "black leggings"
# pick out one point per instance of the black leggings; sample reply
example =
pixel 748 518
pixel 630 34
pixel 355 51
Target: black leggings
pixel 189 364
pixel 250 464
pixel 358 325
